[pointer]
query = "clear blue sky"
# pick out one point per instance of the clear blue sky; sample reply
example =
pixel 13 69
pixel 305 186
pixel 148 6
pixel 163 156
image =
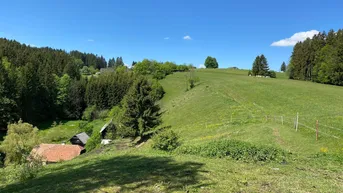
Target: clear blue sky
pixel 232 31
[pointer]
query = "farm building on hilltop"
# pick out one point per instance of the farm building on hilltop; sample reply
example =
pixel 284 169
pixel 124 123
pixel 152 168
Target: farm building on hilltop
pixel 79 139
pixel 52 153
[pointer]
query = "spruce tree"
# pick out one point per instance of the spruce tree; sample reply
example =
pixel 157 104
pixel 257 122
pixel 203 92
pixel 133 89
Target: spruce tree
pixel 141 113
pixel 8 106
pixel 111 62
pixel 283 67
pixel 264 66
pixel 256 66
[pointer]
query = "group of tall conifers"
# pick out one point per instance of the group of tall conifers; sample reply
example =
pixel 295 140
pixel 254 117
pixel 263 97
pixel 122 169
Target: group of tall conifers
pixel 39 84
pixel 260 67
pixel 319 59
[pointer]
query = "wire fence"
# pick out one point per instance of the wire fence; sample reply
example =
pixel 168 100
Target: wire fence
pixel 294 122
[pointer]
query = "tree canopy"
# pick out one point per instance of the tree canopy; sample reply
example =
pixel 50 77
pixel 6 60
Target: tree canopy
pixel 260 66
pixel 21 138
pixel 319 59
pixel 141 112
pixel 211 62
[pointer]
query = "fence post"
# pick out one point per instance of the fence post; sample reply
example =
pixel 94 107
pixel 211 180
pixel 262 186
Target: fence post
pixel 282 120
pixel 317 130
pixel 297 122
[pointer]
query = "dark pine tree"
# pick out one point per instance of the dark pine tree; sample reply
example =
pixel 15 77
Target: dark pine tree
pixel 283 67
pixel 141 112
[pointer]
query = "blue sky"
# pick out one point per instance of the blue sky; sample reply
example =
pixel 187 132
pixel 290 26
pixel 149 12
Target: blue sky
pixel 234 32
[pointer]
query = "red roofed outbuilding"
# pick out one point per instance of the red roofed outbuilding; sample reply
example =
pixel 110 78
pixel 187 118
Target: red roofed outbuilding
pixel 52 153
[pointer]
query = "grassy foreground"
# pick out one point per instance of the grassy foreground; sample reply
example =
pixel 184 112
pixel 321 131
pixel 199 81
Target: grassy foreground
pixel 226 104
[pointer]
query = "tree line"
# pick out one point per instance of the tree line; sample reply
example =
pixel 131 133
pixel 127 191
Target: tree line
pixel 39 84
pixel 159 70
pixel 319 59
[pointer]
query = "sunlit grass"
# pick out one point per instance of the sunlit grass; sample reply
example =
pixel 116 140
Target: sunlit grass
pixel 226 104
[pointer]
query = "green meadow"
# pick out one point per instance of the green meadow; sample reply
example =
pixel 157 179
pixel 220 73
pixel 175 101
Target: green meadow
pixel 224 105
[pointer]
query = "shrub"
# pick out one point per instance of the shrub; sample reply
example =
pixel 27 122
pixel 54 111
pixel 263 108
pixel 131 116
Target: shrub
pixel 103 114
pixel 236 150
pixel 124 131
pixel 85 70
pixel 94 141
pixel 167 140
pixel 158 75
pixel 116 113
pixel 272 74
pixel 111 131
pixel 157 90
pixel 90 113
pixel 56 135
pixel 84 126
pixel 191 79
pixel 21 138
pixel 29 169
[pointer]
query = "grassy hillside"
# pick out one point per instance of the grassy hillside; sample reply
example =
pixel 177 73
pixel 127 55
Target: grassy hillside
pixel 224 96
pixel 226 104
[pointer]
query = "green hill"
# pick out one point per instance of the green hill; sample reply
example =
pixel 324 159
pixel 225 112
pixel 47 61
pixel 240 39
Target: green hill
pixel 225 104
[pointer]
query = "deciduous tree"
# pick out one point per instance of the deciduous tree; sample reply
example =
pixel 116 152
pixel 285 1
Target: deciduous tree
pixel 211 62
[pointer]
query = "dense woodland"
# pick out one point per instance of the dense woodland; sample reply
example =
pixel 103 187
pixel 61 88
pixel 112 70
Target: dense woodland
pixel 39 84
pixel 319 59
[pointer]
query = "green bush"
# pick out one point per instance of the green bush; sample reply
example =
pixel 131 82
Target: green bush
pixel 103 114
pixel 157 90
pixel 236 150
pixel 56 135
pixel 85 70
pixel 167 140
pixel 159 75
pixel 272 74
pixel 116 113
pixel 90 113
pixel 94 141
pixel 124 131
pixel 111 131
pixel 84 126
pixel 29 170
pixel 21 138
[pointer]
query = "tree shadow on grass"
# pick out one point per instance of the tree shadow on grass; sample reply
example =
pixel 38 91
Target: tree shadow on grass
pixel 124 173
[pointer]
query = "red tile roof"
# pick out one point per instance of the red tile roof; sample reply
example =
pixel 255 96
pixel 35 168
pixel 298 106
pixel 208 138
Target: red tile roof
pixel 56 152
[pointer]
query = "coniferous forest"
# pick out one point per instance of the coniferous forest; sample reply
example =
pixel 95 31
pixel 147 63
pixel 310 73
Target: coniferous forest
pixel 40 84
pixel 319 59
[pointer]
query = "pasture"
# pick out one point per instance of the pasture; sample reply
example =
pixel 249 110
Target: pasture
pixel 225 104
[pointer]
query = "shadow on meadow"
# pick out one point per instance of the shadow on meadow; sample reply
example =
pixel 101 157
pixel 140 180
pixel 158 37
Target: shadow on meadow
pixel 122 173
